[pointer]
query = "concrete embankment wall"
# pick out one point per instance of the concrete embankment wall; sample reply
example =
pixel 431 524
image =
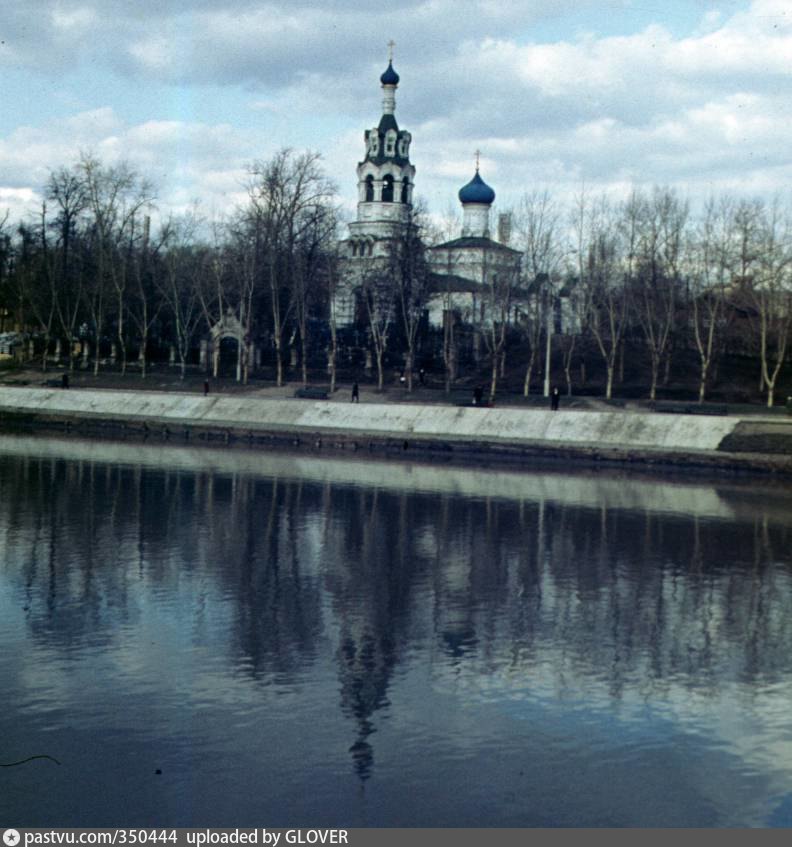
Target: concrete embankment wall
pixel 422 426
pixel 682 432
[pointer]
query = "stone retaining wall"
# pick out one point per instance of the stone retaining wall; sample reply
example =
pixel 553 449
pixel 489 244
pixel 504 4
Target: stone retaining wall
pixel 510 432
pixel 668 432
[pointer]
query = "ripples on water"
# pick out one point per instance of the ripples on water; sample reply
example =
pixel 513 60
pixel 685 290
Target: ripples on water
pixel 302 641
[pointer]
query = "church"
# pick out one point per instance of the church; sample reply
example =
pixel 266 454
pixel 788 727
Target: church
pixel 461 271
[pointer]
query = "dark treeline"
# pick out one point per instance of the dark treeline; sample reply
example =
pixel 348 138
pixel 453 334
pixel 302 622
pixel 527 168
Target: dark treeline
pixel 488 580
pixel 640 294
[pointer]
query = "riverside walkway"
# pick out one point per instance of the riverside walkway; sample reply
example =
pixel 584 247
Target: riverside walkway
pixel 513 434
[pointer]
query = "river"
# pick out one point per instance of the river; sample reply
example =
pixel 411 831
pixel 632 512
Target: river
pixel 202 637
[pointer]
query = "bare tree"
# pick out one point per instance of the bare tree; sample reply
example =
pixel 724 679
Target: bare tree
pixel 378 297
pixel 711 263
pixel 7 279
pixel 146 302
pixel 314 241
pixel 538 230
pixel 115 198
pixel 500 289
pixel 35 280
pixel 286 195
pixel 602 285
pixel 330 277
pixel 410 273
pixel 769 291
pixel 66 188
pixel 183 264
pixel 654 234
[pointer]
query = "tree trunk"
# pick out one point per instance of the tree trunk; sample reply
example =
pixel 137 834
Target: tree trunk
pixel 278 362
pixel 380 375
pixel 655 377
pixel 120 334
pixel 703 380
pixel 493 378
pixel 667 374
pixel 96 355
pixel 568 375
pixel 528 375
pixel 44 354
pixel 142 357
pixel 450 366
pixel 333 356
pixel 569 353
pixel 609 383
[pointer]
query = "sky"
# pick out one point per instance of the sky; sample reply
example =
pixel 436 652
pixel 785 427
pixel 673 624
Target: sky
pixel 556 94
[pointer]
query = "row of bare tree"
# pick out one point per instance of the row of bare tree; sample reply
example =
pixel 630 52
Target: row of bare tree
pixel 646 275
pixel 93 271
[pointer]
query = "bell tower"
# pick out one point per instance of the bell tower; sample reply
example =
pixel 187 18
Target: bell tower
pixel 385 177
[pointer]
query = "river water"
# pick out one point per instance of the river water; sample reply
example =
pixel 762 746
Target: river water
pixel 230 638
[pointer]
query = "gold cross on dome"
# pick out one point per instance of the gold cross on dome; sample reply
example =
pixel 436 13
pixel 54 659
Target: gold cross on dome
pixel 391 45
pixel 478 155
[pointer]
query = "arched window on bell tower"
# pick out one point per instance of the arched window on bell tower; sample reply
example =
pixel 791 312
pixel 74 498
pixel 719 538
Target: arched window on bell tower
pixel 369 188
pixel 405 190
pixel 387 189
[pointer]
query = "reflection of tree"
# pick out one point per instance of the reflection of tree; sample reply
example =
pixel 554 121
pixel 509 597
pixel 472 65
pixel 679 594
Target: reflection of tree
pixel 275 570
pixel 278 614
pixel 96 534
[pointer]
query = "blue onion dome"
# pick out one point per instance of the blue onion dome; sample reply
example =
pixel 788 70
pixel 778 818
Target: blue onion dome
pixel 476 191
pixel 390 77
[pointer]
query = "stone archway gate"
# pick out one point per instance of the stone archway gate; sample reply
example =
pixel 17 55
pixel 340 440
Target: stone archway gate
pixel 229 326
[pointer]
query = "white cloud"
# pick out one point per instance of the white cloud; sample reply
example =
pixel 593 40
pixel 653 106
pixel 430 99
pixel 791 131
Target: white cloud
pixel 185 161
pixel 79 18
pixel 697 109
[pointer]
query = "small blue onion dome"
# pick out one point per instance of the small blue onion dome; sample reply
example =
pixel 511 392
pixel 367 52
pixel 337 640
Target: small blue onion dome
pixel 476 191
pixel 390 77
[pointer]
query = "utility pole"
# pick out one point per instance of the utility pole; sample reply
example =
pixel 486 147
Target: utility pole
pixel 549 334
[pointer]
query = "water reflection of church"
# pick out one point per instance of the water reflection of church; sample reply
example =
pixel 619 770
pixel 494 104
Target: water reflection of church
pixel 539 577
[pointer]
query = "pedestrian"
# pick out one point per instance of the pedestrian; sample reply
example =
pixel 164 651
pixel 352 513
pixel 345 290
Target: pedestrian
pixel 206 387
pixel 65 380
pixel 355 393
pixel 478 395
pixel 422 376
pixel 555 399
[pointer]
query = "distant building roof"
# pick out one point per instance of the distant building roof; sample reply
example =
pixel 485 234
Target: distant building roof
pixel 476 242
